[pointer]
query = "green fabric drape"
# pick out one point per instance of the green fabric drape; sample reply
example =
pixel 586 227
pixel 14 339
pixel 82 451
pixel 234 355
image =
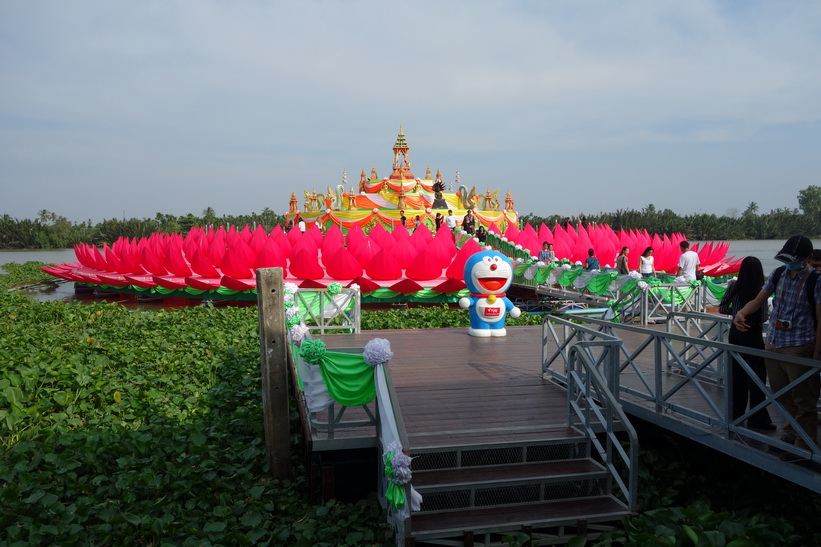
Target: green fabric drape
pixel 567 278
pixel 348 378
pixel 543 273
pixel 717 290
pixel 599 283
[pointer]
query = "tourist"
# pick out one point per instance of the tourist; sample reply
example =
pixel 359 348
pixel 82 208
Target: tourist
pixel 469 222
pixel 743 389
pixel 791 331
pixel 591 262
pixel 403 221
pixel 687 262
pixel 621 262
pixel 301 225
pixel 289 223
pixel 450 220
pixel 417 222
pixel 481 235
pixel 546 255
pixel 438 220
pixel 647 267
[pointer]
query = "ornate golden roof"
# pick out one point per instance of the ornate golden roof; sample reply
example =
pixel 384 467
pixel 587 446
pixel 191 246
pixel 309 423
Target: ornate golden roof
pixel 401 143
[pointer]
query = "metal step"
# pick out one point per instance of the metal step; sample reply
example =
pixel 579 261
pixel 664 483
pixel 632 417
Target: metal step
pixel 471 449
pixel 569 512
pixel 486 486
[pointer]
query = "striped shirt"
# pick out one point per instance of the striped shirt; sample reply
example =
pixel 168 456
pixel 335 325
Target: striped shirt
pixel 791 304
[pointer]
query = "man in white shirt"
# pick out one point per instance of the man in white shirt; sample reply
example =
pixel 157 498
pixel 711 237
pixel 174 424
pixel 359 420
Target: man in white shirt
pixel 687 263
pixel 450 220
pixel 301 225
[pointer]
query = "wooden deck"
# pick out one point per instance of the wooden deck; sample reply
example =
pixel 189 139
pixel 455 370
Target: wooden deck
pixel 453 387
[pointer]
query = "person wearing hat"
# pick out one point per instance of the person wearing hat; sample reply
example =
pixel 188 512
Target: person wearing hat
pixel 792 331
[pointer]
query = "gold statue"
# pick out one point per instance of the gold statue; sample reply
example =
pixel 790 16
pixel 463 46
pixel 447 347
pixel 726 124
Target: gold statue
pixel 352 198
pixel 508 202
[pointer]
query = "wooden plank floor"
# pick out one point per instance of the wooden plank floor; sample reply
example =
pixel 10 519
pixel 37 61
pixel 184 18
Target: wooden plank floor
pixel 451 385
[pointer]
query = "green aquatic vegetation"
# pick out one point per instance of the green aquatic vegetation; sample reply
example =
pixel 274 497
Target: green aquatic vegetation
pixel 123 427
pixel 430 317
pixel 17 275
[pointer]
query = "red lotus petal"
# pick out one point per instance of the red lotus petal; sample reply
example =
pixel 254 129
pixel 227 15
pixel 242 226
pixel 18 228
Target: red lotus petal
pixel 450 285
pixel 343 265
pixel 235 284
pixel 406 286
pixel 424 267
pixel 383 267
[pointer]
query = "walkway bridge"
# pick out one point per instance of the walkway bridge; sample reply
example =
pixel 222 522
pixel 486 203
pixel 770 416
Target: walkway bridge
pixel 530 434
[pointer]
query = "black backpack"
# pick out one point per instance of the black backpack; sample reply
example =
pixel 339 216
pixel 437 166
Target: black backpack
pixel 810 287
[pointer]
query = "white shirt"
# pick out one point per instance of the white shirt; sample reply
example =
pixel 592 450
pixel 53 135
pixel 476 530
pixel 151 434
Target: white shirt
pixel 646 264
pixel 450 221
pixel 688 262
pixel 301 225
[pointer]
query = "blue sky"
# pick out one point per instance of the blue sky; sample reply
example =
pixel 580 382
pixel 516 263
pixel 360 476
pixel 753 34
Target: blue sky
pixel 113 108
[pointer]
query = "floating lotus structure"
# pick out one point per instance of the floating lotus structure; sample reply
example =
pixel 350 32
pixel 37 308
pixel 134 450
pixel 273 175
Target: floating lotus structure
pixel 387 266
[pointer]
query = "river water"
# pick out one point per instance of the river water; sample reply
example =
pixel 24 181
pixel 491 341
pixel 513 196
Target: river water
pixel 764 249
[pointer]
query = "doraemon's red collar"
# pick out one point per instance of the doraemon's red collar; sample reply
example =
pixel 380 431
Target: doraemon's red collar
pixel 479 295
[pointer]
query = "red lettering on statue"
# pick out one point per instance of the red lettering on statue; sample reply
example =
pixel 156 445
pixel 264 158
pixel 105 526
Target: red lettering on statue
pixel 493 312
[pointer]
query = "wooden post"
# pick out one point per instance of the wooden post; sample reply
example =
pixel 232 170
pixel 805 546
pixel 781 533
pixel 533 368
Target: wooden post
pixel 273 350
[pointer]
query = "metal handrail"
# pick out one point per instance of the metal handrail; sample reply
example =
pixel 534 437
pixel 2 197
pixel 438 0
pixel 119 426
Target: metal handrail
pixel 589 393
pixel 690 363
pixel 591 376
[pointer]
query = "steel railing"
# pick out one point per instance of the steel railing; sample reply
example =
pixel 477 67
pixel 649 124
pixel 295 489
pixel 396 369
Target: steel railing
pixel 682 374
pixel 592 381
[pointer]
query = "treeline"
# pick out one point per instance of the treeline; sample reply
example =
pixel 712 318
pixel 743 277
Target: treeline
pixel 52 231
pixel 751 224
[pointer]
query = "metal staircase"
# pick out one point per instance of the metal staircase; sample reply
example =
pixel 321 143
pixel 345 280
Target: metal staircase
pixel 545 485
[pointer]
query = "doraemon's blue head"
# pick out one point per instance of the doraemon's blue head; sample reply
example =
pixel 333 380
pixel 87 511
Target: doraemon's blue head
pixel 488 272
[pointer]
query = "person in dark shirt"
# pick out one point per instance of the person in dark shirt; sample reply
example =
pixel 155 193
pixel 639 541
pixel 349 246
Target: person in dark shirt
pixel 591 262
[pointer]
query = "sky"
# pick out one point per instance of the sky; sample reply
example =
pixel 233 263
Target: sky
pixel 127 109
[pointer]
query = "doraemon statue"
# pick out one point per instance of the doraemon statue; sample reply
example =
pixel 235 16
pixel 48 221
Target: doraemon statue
pixel 488 275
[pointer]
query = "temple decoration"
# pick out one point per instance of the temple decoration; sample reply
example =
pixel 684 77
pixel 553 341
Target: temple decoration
pixel 508 202
pixel 379 200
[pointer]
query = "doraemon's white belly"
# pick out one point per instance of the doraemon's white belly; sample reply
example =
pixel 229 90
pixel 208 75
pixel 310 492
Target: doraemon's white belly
pixel 488 312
